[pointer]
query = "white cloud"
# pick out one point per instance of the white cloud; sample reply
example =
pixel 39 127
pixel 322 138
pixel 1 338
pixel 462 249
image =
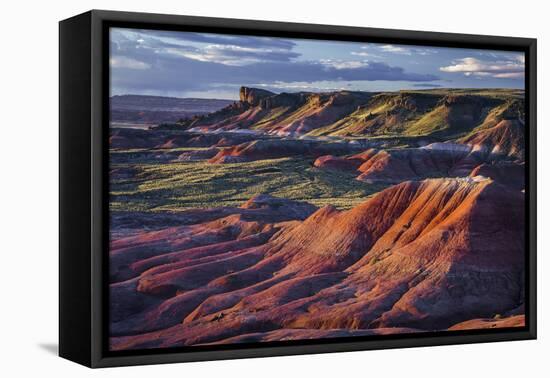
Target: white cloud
pixel 504 69
pixel 521 58
pixel 407 50
pixel 322 86
pixel 233 55
pixel 344 64
pixel 125 62
pixel 367 54
pixel 395 49
pixel 360 53
pixel 509 75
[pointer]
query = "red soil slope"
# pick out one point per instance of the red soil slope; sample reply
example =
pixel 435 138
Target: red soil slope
pixel 506 138
pixel 513 321
pixel 418 256
pixel 398 165
pixel 276 148
pixel 392 166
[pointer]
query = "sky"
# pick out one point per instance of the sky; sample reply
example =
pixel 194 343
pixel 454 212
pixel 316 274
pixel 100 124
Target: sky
pixel 201 65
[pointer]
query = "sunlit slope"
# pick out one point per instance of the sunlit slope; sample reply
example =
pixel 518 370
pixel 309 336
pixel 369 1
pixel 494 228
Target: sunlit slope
pixel 441 114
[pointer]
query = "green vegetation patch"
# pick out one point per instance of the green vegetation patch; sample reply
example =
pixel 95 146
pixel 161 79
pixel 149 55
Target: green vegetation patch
pixel 179 186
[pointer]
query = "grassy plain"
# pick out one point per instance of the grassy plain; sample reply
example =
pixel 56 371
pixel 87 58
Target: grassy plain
pixel 198 184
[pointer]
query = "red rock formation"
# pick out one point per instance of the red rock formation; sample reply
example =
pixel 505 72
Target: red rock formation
pixel 509 174
pixel 253 96
pixel 513 321
pixel 418 256
pixel 506 138
pixel 459 245
pixel 337 163
pixel 276 148
pixel 305 334
pixel 284 113
pixel 394 166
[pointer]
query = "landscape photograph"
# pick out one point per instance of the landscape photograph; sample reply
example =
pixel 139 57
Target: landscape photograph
pixel 266 189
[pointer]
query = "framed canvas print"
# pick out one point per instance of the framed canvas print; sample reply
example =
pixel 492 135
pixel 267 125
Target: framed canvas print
pixel 234 188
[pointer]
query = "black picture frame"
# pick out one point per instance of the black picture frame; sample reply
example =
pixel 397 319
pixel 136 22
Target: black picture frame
pixel 83 180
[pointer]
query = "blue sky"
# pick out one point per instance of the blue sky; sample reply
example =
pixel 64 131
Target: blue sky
pixel 184 64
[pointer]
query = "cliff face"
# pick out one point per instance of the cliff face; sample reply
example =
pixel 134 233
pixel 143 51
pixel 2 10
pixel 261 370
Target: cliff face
pixel 253 96
pixel 441 114
pixel 485 121
pixel 284 113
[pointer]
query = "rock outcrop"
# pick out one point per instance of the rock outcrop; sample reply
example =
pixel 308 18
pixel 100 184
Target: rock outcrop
pixel 277 148
pixel 337 163
pixel 418 256
pixel 506 173
pixel 510 322
pixel 429 233
pixel 253 96
pixel 491 122
pixel 505 138
pixel 392 166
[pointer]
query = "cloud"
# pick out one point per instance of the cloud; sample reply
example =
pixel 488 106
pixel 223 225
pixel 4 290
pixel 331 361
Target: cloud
pixel 297 86
pixel 520 58
pixel 184 74
pixel 426 85
pixel 509 75
pixel 243 41
pixel 406 50
pixel 360 53
pixel 124 62
pixel 341 64
pixel 366 54
pixel 185 62
pixel 230 50
pixel 331 70
pixel 513 68
pixel 395 49
pixel 237 56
